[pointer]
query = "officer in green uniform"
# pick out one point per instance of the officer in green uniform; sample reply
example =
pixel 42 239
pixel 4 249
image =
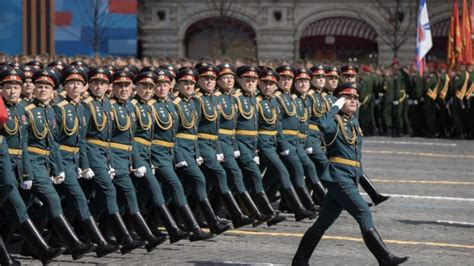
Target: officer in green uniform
pixel 7 184
pixel 209 146
pixel 343 135
pixel 386 96
pixel 272 143
pixel 416 100
pixel 366 113
pixel 124 155
pixel 14 157
pixel 404 96
pixel 28 86
pixel 71 120
pixel 246 135
pixel 46 162
pixel 166 123
pixel 172 70
pixel 305 146
pixel 297 165
pixel 148 186
pixel 99 119
pixel 228 141
pixel 431 87
pixel 469 101
pixel 399 100
pixel 442 112
pixel 187 154
pixel 459 88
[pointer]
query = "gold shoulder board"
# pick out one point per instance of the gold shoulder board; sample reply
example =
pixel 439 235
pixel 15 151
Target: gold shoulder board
pixel 29 107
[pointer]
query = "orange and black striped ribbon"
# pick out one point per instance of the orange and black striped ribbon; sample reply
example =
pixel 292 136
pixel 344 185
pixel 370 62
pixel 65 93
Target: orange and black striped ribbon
pixel 38 27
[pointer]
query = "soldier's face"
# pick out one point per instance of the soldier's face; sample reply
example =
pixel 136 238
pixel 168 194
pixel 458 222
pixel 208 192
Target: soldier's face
pixel 98 87
pixel 162 89
pixel 351 104
pixel 122 90
pixel 331 82
pixel 226 82
pixel 285 83
pixel 207 83
pixel 248 84
pixel 11 92
pixel 43 92
pixel 145 91
pixel 349 78
pixel 318 81
pixel 28 87
pixel 186 87
pixel 302 86
pixel 74 88
pixel 267 87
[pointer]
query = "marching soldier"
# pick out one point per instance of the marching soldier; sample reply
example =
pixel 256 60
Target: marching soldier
pixel 46 161
pixel 272 143
pixel 399 103
pixel 187 155
pixel 148 185
pixel 343 135
pixel 385 93
pixel 228 141
pixel 70 118
pixel 14 164
pixel 417 102
pixel 166 123
pixel 459 88
pixel 124 154
pixel 246 134
pixel 366 113
pixel 442 111
pixel 209 147
pixel 28 86
pixel 297 165
pixel 99 123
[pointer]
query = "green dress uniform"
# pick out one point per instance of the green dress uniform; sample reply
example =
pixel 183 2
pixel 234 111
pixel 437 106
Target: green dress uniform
pixel 344 138
pixel 470 108
pixel 399 104
pixel 459 88
pixel 386 95
pixel 417 108
pixel 366 112
pixel 442 112
pixel 431 86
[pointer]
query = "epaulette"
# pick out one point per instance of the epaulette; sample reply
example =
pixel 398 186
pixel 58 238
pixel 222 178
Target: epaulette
pixel 88 99
pixel 112 101
pixel 151 102
pixel 62 103
pixel 277 93
pixel 237 93
pixel 294 96
pixel 30 106
pixel 217 93
pixel 198 94
pixel 134 101
pixel 259 98
pixel 63 93
pixel 177 100
pixel 176 93
pixel 311 92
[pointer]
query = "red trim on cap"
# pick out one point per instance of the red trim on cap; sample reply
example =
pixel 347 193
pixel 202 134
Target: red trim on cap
pixel 147 80
pixel 12 78
pixel 45 79
pixel 74 76
pixel 250 74
pixel 286 73
pixel 163 78
pixel 271 78
pixel 122 79
pixel 208 74
pixel 331 73
pixel 188 77
pixel 226 71
pixel 318 72
pixel 303 76
pixel 348 91
pixel 100 76
pixel 350 72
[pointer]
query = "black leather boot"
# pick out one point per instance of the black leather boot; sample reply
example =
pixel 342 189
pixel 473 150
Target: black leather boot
pixel 369 187
pixel 265 206
pixel 249 206
pixel 145 233
pixel 306 247
pixel 5 258
pixel 306 200
pixel 122 235
pixel 42 250
pixel 319 193
pixel 231 206
pixel 217 227
pixel 375 244
pixel 192 224
pixel 296 205
pixel 67 234
pixel 93 233
pixel 174 232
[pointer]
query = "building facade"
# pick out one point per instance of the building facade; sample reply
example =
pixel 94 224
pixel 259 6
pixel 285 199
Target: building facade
pixel 293 29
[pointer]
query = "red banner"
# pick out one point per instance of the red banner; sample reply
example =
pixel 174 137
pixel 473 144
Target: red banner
pixel 466 34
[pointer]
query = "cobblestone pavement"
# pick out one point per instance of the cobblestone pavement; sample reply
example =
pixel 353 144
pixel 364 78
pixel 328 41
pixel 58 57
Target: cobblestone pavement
pixel 430 217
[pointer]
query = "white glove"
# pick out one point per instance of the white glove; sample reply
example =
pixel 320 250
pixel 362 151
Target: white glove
pixel 285 152
pixel 199 160
pixel 59 179
pixel 181 164
pixel 79 173
pixel 377 101
pixel 256 159
pixel 309 150
pixel 340 103
pixel 26 185
pixel 415 102
pixel 153 170
pixel 220 157
pixel 112 173
pixel 140 171
pixel 88 174
pixel 395 103
pixel 236 154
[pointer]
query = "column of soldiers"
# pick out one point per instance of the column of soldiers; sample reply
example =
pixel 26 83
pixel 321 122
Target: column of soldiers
pixel 100 157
